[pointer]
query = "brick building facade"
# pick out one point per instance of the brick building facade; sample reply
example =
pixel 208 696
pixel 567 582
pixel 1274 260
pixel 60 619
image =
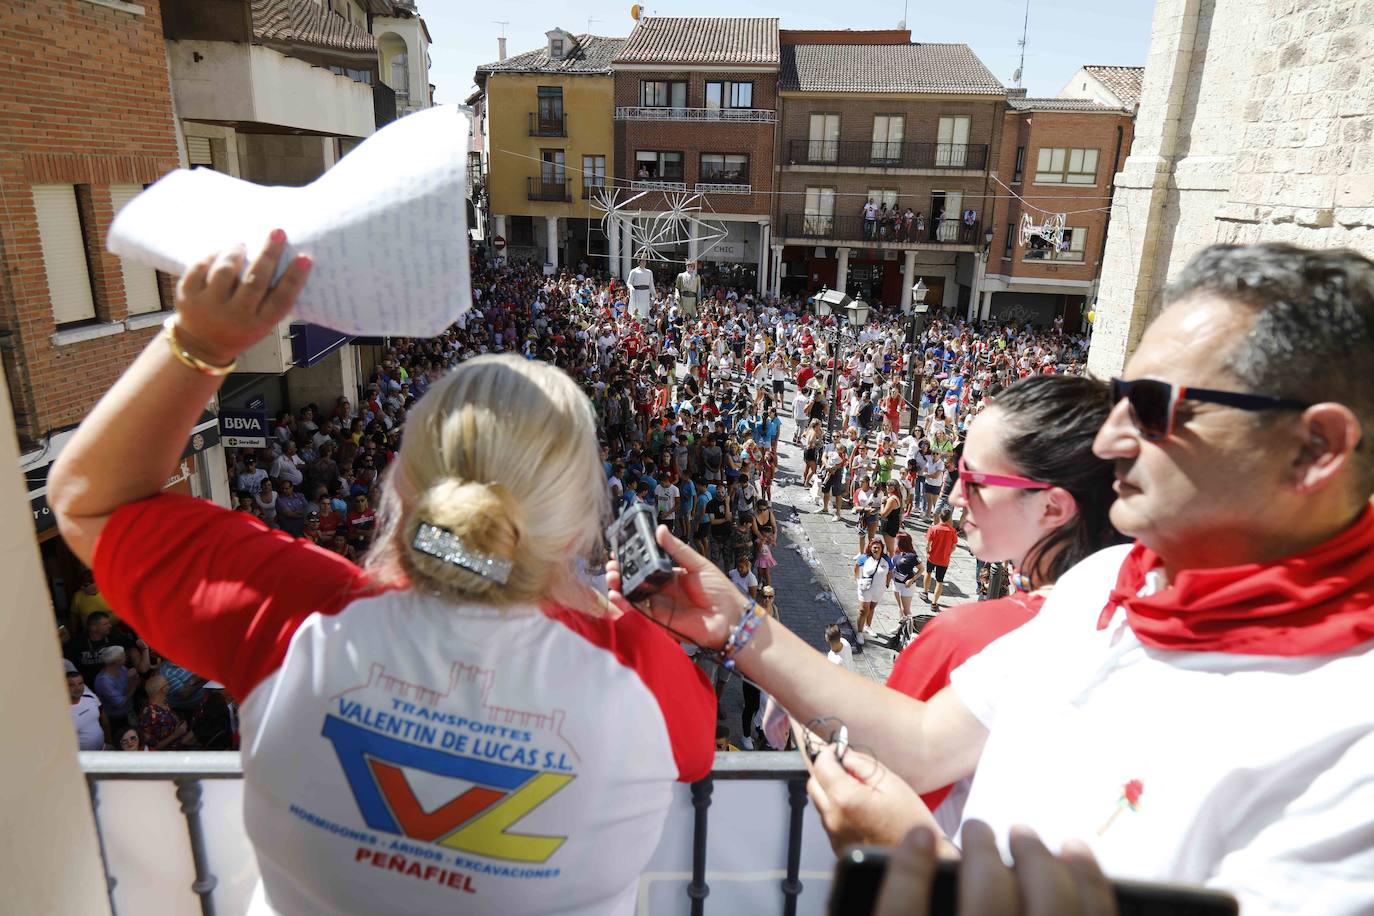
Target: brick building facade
pixel 696 111
pixel 1057 156
pixel 77 141
pixel 906 126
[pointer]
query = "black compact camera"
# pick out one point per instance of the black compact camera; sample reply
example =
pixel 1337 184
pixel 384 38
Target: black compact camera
pixel 859 875
pixel 644 567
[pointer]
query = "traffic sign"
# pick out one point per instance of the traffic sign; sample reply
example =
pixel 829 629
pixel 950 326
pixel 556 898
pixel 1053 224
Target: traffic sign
pixel 499 243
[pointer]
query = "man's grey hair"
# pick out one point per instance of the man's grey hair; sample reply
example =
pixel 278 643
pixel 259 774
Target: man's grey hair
pixel 1312 338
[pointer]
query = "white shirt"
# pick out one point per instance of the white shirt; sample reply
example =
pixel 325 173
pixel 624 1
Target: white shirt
pixel 912 446
pixel 641 300
pixel 744 582
pixel 666 496
pixel 288 468
pixel 844 658
pixel 90 736
pixel 1255 770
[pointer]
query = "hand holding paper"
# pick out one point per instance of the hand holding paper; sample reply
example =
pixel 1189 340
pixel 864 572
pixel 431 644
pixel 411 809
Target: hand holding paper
pixel 386 228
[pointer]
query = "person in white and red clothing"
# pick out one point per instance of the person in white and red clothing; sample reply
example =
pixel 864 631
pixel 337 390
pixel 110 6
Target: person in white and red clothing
pixel 428 735
pixel 1182 706
pixel 1033 491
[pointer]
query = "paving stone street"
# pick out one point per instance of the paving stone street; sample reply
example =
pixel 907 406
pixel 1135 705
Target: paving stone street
pixel 814 576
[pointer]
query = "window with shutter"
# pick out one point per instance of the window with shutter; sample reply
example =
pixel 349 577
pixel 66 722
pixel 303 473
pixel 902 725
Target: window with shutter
pixel 198 152
pixel 64 253
pixel 141 291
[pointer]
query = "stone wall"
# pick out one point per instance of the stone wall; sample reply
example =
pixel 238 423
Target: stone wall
pixel 1255 124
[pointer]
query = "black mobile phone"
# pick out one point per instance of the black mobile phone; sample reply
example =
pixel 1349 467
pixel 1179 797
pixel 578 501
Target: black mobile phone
pixel 859 875
pixel 644 567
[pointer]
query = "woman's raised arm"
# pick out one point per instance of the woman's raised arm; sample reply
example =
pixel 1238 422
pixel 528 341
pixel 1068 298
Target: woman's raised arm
pixel 130 443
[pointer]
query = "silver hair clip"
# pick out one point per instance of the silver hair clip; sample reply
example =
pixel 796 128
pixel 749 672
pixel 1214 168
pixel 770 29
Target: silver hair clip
pixel 444 545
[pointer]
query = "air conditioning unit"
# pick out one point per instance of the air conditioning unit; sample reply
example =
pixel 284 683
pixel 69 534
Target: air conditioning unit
pixel 820 251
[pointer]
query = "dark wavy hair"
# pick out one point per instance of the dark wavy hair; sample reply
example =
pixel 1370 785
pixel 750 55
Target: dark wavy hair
pixel 1051 421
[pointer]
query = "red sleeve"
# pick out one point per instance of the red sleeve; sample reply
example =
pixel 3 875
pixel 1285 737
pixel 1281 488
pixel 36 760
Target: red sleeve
pixel 950 639
pixel 214 590
pixel 684 695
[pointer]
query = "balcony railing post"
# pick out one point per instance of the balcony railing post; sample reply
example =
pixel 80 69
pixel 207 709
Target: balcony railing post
pixel 110 881
pixel 189 793
pixel 698 890
pixel 791 885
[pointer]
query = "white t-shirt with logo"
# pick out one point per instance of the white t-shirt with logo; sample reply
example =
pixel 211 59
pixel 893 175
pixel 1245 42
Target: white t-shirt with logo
pixel 1251 773
pixel 406 754
pixel 666 497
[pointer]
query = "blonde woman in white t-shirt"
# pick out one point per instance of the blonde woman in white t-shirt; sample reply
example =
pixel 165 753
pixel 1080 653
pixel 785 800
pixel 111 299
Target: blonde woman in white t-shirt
pixel 470 618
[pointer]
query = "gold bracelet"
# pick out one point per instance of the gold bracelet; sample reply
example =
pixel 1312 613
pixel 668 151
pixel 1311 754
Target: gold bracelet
pixel 186 358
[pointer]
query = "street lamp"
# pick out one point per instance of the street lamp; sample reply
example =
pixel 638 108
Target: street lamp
pixel 914 368
pixel 829 302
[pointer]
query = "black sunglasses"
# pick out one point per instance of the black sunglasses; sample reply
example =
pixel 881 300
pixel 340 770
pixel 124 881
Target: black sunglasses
pixel 1154 403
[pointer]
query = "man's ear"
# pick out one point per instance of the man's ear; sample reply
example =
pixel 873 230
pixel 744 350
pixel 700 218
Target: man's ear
pixel 1329 434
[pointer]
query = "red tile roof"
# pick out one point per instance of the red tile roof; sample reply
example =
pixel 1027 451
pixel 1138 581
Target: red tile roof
pixel 702 40
pixel 1056 104
pixel 885 68
pixel 304 22
pixel 1123 82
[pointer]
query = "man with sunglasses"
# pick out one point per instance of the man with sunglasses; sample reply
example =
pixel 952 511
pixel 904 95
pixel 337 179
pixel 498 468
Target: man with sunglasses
pixel 1189 705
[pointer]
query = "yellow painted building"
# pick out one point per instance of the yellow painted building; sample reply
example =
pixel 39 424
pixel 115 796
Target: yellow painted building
pixel 549 141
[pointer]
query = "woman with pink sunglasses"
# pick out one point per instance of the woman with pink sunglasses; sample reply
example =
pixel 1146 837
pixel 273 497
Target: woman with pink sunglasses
pixel 1032 492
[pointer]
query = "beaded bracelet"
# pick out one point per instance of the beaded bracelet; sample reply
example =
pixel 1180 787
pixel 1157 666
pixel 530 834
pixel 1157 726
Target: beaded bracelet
pixel 744 631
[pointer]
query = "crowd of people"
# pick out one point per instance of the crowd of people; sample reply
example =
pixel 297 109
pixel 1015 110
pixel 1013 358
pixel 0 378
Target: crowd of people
pixel 1129 505
pixel 690 413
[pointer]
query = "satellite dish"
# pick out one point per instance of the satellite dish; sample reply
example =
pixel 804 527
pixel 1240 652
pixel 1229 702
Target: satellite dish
pixel 635 11
pixel 1016 77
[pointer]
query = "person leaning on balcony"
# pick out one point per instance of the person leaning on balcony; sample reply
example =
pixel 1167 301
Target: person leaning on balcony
pixel 469 654
pixel 1182 705
pixel 870 218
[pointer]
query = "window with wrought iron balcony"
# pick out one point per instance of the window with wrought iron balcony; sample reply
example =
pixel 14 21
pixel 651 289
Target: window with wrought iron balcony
pixel 891 154
pixel 548 123
pixel 724 173
pixel 551 187
pixel 897 233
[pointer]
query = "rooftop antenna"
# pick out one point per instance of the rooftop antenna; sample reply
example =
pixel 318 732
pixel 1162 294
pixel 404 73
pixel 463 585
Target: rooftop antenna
pixel 1016 77
pixel 590 20
pixel 902 23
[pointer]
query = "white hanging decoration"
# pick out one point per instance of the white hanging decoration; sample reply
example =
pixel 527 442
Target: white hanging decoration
pixel 686 220
pixel 1050 232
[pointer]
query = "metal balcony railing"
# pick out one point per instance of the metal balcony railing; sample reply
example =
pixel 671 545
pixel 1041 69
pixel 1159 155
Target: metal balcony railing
pixel 654 184
pixel 743 840
pixel 888 155
pixel 549 189
pixel 383 104
pixel 852 229
pixel 638 113
pixel 543 124
pixel 723 187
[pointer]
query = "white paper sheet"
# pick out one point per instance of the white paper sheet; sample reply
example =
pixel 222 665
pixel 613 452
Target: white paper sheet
pixel 386 228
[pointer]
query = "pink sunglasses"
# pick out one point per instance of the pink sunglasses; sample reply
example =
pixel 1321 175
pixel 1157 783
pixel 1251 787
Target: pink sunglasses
pixel 980 479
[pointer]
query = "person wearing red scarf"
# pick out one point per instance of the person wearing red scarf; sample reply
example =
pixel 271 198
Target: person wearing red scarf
pixel 1189 706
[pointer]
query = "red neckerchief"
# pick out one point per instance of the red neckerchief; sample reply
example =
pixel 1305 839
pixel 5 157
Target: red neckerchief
pixel 1317 602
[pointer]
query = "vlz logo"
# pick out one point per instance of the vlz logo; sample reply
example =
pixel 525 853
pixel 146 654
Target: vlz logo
pixel 244 423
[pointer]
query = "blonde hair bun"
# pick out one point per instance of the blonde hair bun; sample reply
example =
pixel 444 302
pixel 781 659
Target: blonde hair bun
pixel 485 517
pixel 502 453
